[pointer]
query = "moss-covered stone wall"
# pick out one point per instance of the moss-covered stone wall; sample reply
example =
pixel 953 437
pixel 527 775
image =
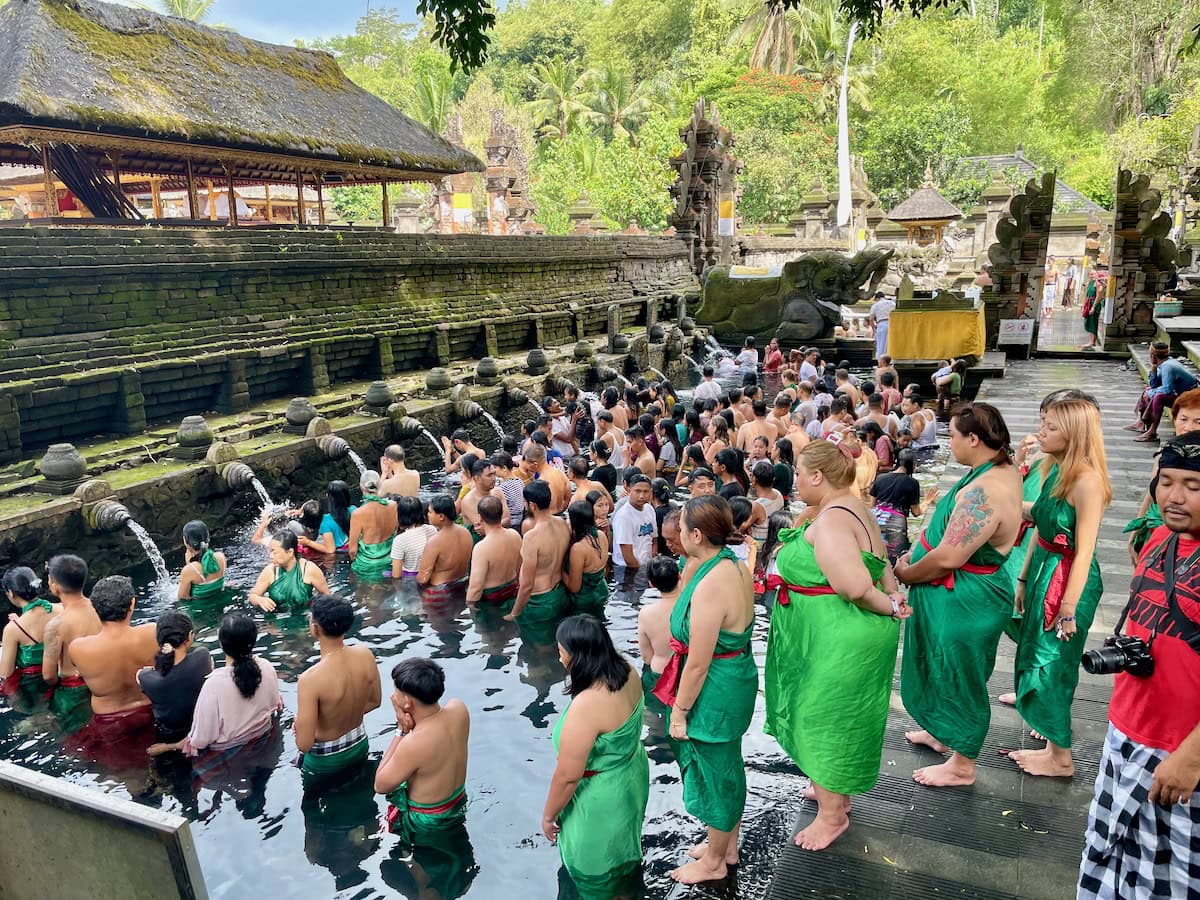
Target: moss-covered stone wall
pixel 104 330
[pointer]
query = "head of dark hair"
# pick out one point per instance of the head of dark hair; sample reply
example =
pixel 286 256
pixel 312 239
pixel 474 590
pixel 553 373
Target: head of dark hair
pixel 460 434
pixel 985 422
pixel 591 655
pixel 663 573
pixel 540 438
pixel 759 407
pixel 660 490
pixel 420 678
pixel 633 479
pixel 172 630
pixel 467 460
pixel 491 510
pixel 708 372
pixel 735 396
pixel 410 512
pixel 528 427
pixel 332 614
pixel 702 473
pixel 537 493
pixel 479 466
pixel 237 636
pixel 787 452
pixel 711 516
pixel 906 460
pixel 337 501
pixel 112 598
pixel 579 466
pixel 601 451
pixel 287 540
pixel 582 519
pixel 510 445
pixel 887 379
pixel 22 581
pixel 502 459
pixel 764 474
pixel 750 341
pixel 609 397
pixel 443 505
pixel 195 536
pixel 635 433
pixel 776 523
pixel 68 571
pixel 872 430
pixel 544 421
pixel 310 517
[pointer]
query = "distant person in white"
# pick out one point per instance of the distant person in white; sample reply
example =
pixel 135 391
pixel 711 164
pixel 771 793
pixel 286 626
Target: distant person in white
pixel 708 389
pixel 881 313
pixel 747 360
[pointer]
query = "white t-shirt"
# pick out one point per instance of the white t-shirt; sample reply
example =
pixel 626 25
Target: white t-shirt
pixel 636 527
pixel 561 425
pixel 409 545
pixel 747 361
pixel 808 372
pixel 882 309
pixel 707 390
pixel 666 454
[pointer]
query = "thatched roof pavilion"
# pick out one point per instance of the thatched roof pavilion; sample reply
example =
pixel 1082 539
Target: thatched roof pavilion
pixel 925 213
pixel 91 90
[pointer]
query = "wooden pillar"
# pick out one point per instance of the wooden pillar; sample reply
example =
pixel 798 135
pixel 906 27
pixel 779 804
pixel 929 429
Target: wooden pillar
pixel 268 212
pixel 116 166
pixel 156 198
pixel 233 216
pixel 212 207
pixel 386 206
pixel 320 200
pixel 299 197
pixel 193 204
pixel 51 203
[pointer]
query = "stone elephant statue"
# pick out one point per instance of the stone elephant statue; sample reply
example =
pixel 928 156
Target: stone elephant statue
pixel 804 303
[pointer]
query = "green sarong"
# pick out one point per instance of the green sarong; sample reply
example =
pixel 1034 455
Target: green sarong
pixel 1031 488
pixel 1047 669
pixel 209 590
pixel 1143 526
pixel 425 823
pixel 325 768
pixel 71 704
pixel 601 837
pixel 951 638
pixel 289 590
pixel 592 596
pixel 373 561
pixel 710 761
pixel 501 597
pixel 828 672
pixel 544 608
pixel 649 680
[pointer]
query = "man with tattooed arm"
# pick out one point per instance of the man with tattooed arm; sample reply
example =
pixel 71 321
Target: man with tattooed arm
pixel 959 607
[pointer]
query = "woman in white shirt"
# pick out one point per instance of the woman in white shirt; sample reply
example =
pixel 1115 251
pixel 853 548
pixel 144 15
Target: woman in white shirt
pixel 415 532
pixel 747 360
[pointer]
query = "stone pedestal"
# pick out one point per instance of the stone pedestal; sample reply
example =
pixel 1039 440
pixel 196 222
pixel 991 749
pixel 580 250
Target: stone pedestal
pixel 299 413
pixel 63 469
pixel 194 437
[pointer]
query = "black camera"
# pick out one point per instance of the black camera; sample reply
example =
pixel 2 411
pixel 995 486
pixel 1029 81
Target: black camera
pixel 1120 653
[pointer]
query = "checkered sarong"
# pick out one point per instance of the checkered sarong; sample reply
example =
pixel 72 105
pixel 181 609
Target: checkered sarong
pixel 1136 850
pixel 337 745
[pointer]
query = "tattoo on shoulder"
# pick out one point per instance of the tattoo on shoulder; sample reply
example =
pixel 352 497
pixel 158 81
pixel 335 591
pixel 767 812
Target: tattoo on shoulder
pixel 971 514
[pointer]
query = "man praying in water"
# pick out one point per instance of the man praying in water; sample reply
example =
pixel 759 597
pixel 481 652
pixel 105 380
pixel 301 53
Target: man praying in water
pixel 333 696
pixel 424 770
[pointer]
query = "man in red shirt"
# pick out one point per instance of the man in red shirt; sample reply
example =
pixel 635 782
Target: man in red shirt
pixel 1145 814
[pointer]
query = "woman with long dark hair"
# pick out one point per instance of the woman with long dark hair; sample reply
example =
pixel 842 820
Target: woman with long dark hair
pixel 333 531
pixel 784 457
pixel 586 560
pixel 605 472
pixel 693 458
pixel 710 683
pixel 670 451
pixel 23 643
pixel 602 508
pixel 174 682
pixel 597 799
pixel 729 465
pixel 203 575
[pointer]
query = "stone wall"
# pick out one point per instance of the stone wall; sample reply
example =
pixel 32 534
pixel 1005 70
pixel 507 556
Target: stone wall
pixel 105 330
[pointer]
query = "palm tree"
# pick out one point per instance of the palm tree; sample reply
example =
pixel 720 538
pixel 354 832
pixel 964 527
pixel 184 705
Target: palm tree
pixel 434 97
pixel 821 54
pixel 194 10
pixel 775 29
pixel 616 105
pixel 558 106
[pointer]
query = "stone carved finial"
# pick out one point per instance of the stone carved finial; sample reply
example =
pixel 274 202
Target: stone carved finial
pixel 928 182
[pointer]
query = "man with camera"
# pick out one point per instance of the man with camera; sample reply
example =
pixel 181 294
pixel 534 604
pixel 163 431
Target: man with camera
pixel 1145 813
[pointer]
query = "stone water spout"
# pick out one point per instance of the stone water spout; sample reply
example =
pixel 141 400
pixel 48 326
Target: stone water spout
pixel 108 515
pixel 333 446
pixel 516 396
pixel 408 427
pixel 237 475
pixel 464 407
pixel 557 384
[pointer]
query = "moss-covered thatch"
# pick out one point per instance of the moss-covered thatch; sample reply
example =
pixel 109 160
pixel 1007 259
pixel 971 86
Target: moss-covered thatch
pixel 93 66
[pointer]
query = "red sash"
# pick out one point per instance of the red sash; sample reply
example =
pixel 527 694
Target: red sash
pixel 668 682
pixel 1058 581
pixel 947 580
pixel 71 681
pixel 10 685
pixel 501 594
pixel 774 582
pixel 393 813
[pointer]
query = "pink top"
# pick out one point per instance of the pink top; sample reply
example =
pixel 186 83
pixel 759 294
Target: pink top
pixel 224 718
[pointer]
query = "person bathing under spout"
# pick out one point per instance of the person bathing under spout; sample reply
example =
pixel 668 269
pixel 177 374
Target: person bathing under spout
pixel 333 696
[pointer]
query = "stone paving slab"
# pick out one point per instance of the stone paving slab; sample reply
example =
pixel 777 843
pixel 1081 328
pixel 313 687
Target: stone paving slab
pixel 1010 835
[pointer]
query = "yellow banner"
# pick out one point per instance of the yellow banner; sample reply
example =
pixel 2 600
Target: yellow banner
pixel 462 201
pixel 725 209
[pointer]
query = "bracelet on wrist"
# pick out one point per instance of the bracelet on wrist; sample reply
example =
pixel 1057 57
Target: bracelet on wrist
pixel 1066 618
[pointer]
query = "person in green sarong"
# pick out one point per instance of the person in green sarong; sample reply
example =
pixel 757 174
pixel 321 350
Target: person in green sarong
pixel 22 648
pixel 586 561
pixel 831 653
pixel 959 611
pixel 203 575
pixel 542 599
pixel 1061 585
pixel 287 583
pixel 712 690
pixel 597 798
pixel 372 530
pixel 1185 418
pixel 495 560
pixel 423 773
pixel 1093 307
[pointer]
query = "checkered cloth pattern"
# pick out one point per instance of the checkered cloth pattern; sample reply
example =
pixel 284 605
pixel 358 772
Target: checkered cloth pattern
pixel 1137 850
pixel 337 745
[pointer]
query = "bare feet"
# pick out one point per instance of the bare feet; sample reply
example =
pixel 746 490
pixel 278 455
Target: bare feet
pixel 822 831
pixel 954 772
pixel 698 872
pixel 1053 762
pixel 1147 438
pixel 1135 426
pixel 925 739
pixel 731 856
pixel 810 793
pixel 1009 698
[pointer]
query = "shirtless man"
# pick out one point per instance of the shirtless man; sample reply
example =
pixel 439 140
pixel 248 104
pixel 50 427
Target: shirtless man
pixel 397 479
pixel 447 555
pixel 759 426
pixel 122 726
pixel 483 476
pixel 611 401
pixel 424 770
pixel 496 559
pixel 534 462
pixel 733 402
pixel 889 425
pixel 654 622
pixel 950 641
pixel 639 454
pixel 77 618
pixel 372 528
pixel 781 415
pixel 455 446
pixel 847 387
pixel 577 472
pixel 542 553
pixel 333 696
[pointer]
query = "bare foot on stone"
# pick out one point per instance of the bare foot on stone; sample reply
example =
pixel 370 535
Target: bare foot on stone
pixel 822 832
pixel 697 852
pixel 945 775
pixel 810 793
pixel 699 872
pixel 925 739
pixel 1046 763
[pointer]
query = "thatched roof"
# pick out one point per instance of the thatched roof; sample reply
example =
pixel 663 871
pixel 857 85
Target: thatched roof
pixel 925 205
pixel 110 70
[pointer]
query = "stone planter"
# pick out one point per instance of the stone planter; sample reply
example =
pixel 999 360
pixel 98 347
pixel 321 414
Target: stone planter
pixel 63 469
pixel 378 398
pixel 437 382
pixel 299 413
pixel 535 363
pixel 620 343
pixel 687 325
pixel 487 371
pixel 657 333
pixel 193 438
pixel 583 351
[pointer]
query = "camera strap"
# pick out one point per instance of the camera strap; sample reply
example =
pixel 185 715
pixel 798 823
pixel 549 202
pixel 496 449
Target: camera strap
pixel 1188 630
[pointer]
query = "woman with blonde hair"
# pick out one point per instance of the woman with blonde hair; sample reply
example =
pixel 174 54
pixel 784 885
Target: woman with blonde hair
pixel 717 440
pixel 831 653
pixel 1059 589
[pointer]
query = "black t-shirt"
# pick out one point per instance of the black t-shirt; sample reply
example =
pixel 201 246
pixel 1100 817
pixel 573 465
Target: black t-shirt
pixel 174 695
pixel 607 476
pixel 898 490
